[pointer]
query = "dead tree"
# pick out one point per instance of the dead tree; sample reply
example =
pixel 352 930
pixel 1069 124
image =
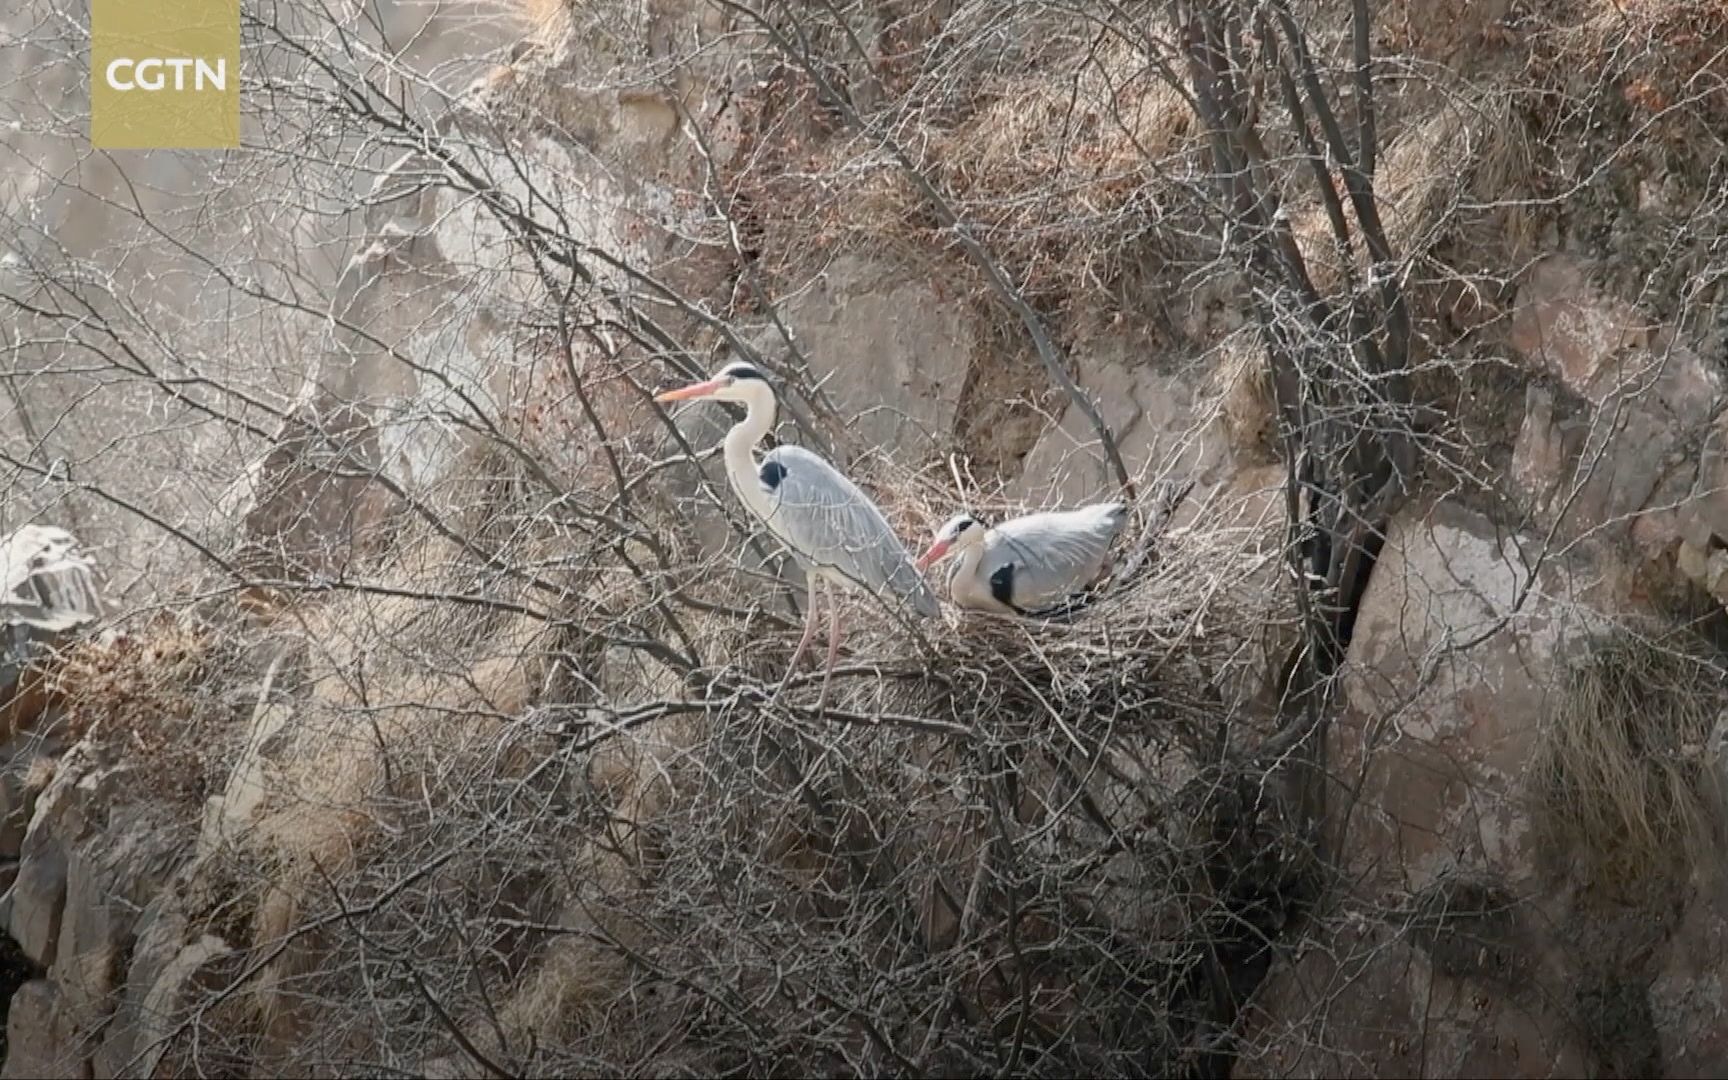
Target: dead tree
pixel 1339 363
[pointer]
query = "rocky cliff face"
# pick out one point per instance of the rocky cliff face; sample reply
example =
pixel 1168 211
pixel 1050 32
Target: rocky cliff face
pixel 469 783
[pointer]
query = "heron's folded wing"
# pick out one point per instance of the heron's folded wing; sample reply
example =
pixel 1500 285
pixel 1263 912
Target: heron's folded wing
pixel 1053 554
pixel 832 523
pixel 49 584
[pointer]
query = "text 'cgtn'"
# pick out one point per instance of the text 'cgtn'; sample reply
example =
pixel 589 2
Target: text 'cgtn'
pixel 166 73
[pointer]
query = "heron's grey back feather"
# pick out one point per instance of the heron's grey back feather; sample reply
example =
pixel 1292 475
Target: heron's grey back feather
pixel 831 524
pixel 1055 553
pixel 48 582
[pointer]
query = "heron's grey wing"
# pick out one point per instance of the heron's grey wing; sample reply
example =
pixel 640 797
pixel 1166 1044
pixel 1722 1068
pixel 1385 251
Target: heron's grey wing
pixel 1054 554
pixel 833 524
pixel 48 582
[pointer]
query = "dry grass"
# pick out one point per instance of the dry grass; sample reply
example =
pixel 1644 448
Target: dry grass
pixel 395 690
pixel 1064 163
pixel 1503 166
pixel 1070 174
pixel 1623 769
pixel 542 18
pixel 1460 172
pixel 1243 386
pixel 1663 45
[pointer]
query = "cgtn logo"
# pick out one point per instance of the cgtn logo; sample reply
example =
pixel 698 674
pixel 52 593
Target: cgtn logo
pixel 164 74
pixel 150 74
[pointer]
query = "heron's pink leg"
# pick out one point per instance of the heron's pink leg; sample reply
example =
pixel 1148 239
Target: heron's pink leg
pixel 809 628
pixel 833 632
pixel 833 651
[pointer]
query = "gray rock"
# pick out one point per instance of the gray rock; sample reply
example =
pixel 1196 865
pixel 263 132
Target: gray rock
pixel 195 965
pixel 161 933
pixel 890 353
pixel 40 1041
pixel 1456 647
pixel 110 879
pixel 37 899
pixel 1160 419
pixel 1651 397
pixel 1689 1005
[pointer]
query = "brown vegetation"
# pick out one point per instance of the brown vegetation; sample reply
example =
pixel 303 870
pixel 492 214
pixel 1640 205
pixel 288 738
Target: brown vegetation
pixel 1623 765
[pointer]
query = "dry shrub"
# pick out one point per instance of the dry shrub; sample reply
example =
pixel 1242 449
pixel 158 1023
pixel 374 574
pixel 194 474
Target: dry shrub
pixel 1004 846
pixel 1000 787
pixel 367 742
pixel 1631 108
pixel 1623 770
pixel 155 692
pixel 996 826
pixel 397 686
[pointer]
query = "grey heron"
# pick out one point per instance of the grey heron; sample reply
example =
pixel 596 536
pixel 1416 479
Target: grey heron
pixel 1026 563
pixel 47 580
pixel 836 533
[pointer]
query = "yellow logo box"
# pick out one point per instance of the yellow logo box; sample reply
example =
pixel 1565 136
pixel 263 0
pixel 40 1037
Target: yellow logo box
pixel 164 74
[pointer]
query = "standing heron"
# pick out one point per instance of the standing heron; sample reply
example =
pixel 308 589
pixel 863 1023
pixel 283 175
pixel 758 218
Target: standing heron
pixel 1026 563
pixel 831 527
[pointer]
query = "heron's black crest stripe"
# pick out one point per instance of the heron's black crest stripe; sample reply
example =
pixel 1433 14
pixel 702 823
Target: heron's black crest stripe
pixel 1002 585
pixel 772 473
pixel 745 371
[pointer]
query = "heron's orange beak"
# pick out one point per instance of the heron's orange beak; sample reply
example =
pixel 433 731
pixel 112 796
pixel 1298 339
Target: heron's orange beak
pixel 694 390
pixel 937 550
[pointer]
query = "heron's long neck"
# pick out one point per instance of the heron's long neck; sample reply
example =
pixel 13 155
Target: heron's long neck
pixel 966 584
pixel 966 566
pixel 740 451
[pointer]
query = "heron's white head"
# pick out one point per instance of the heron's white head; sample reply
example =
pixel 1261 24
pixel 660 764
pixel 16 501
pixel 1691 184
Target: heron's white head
pixel 738 381
pixel 956 534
